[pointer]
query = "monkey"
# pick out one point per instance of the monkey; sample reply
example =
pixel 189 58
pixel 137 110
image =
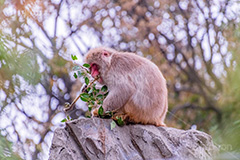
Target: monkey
pixel 137 89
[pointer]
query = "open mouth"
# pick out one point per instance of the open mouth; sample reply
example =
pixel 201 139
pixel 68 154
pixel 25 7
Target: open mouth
pixel 94 69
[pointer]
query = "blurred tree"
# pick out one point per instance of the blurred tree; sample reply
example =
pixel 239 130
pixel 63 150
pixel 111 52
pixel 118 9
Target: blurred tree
pixel 227 134
pixel 34 79
pixel 188 39
pixel 6 152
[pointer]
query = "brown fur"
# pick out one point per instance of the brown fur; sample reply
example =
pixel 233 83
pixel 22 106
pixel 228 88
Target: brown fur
pixel 137 88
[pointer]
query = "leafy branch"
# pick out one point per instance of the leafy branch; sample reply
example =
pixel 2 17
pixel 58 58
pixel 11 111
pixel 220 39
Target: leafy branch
pixel 91 95
pixel 68 106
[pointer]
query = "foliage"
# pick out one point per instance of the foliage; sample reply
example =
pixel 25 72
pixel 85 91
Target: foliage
pixel 112 125
pixel 15 66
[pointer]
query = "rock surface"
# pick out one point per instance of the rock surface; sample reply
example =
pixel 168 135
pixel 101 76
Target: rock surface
pixel 93 139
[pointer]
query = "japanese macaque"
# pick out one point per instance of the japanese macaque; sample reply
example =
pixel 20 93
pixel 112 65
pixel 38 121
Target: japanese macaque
pixel 137 88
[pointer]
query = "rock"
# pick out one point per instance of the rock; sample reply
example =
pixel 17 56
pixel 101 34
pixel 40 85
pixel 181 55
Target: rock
pixel 93 139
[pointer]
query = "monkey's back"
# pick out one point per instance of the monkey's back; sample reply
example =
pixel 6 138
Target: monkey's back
pixel 148 104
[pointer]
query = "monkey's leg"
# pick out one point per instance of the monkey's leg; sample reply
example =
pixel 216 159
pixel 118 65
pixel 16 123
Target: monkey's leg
pixel 117 97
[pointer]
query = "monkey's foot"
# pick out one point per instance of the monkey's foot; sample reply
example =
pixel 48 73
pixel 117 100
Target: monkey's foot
pixel 120 118
pixel 116 117
pixel 107 114
pixel 161 125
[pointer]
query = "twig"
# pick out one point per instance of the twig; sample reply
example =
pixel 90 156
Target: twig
pixel 85 69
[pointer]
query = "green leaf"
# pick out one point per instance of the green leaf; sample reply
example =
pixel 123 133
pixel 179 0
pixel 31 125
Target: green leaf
pixel 64 120
pixel 100 96
pixel 85 95
pixel 105 95
pixel 90 107
pixel 97 90
pixel 88 89
pixel 86 65
pixel 75 75
pixel 80 74
pixel 74 57
pixel 100 111
pixel 86 80
pixel 120 121
pixel 75 68
pixel 68 117
pixel 113 125
pixel 104 88
pixel 100 102
pixel 84 99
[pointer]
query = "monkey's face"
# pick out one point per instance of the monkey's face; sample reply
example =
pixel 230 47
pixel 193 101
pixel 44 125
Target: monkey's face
pixel 99 60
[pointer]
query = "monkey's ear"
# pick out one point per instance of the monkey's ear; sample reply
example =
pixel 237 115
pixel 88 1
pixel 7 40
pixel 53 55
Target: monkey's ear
pixel 106 53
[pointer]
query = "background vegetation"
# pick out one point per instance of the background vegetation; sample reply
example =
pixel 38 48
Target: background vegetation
pixel 195 43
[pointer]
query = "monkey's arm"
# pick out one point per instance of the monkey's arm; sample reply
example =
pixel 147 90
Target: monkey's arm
pixel 117 97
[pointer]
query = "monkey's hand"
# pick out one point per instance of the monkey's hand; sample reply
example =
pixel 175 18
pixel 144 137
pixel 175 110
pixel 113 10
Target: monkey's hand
pixel 94 112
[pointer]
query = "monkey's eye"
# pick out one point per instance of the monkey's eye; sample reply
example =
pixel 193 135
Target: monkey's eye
pixel 106 54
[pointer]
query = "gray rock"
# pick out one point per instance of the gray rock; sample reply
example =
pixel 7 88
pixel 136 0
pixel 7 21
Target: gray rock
pixel 93 139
